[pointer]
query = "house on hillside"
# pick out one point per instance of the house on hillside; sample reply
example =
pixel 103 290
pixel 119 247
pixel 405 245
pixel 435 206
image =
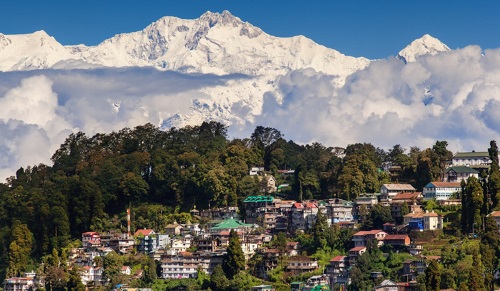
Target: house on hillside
pixel 472 159
pixel 301 264
pixel 441 190
pixel 388 191
pixel 338 270
pixel 361 238
pixel 424 221
pixel 459 173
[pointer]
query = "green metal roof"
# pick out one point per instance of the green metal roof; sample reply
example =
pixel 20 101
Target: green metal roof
pixel 462 169
pixel 258 199
pixel 471 155
pixel 231 224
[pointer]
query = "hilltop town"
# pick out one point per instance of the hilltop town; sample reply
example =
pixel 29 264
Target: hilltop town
pixel 276 232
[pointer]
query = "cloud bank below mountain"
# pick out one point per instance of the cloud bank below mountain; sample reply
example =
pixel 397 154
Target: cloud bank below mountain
pixel 453 96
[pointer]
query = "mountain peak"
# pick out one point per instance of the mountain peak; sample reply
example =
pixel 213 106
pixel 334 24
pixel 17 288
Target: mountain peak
pixel 425 45
pixel 224 18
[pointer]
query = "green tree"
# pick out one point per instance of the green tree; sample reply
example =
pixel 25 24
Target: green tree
pixel 319 230
pixel 234 260
pixel 474 203
pixel 113 263
pixel 433 276
pixel 218 279
pixel 476 279
pixel 377 216
pixel 75 281
pixel 494 174
pixel 20 248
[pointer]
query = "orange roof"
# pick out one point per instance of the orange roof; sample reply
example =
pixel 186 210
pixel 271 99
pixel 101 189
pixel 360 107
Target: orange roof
pixel 495 214
pixel 446 184
pixel 144 232
pixel 406 196
pixel 395 236
pixel 367 232
pixel 357 249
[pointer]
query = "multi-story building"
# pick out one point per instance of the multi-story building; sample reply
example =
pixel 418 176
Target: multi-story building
pixel 338 270
pixel 91 239
pixel 301 264
pixel 441 190
pixel 186 264
pixel 424 221
pixel 256 207
pixel 361 238
pixel 28 282
pixel 411 201
pixel 388 191
pixel 459 173
pixel 412 268
pixel 354 253
pixel 91 274
pixel 151 243
pixel 364 204
pixel 397 240
pixel 121 243
pixel 340 210
pixel 471 159
pixel 304 215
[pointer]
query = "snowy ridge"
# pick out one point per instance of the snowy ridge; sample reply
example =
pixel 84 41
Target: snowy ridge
pixel 217 43
pixel 214 43
pixel 422 46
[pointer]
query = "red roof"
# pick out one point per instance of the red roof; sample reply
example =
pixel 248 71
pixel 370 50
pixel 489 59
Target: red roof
pixel 357 249
pixel 337 259
pixel 298 205
pixel 311 205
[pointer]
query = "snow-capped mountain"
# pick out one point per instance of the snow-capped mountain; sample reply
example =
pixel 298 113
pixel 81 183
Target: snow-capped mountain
pixel 422 46
pixel 30 51
pixel 215 43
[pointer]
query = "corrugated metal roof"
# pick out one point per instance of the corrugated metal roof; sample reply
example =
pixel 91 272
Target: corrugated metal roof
pixel 397 187
pixel 471 155
pixel 258 199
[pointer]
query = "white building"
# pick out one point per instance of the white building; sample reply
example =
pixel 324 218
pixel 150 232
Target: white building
pixel 441 190
pixel 459 173
pixel 27 282
pixel 91 274
pixel 471 159
pixel 186 264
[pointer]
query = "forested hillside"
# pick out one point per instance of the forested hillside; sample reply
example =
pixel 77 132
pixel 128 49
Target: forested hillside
pixel 161 174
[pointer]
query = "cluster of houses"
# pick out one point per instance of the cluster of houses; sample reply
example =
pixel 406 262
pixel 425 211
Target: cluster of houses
pixel 186 249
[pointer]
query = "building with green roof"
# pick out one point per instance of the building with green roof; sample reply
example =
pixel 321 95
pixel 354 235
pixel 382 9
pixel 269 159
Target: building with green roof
pixel 229 224
pixel 459 173
pixel 472 159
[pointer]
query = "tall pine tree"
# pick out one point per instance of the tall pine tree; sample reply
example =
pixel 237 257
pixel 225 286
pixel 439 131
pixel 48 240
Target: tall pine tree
pixel 234 261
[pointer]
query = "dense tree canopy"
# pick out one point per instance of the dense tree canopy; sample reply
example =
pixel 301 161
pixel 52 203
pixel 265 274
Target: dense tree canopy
pixel 161 173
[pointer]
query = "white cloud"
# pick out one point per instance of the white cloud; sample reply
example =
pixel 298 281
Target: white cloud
pixel 453 96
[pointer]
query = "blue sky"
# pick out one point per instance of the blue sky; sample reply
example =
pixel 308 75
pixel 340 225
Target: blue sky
pixel 370 28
